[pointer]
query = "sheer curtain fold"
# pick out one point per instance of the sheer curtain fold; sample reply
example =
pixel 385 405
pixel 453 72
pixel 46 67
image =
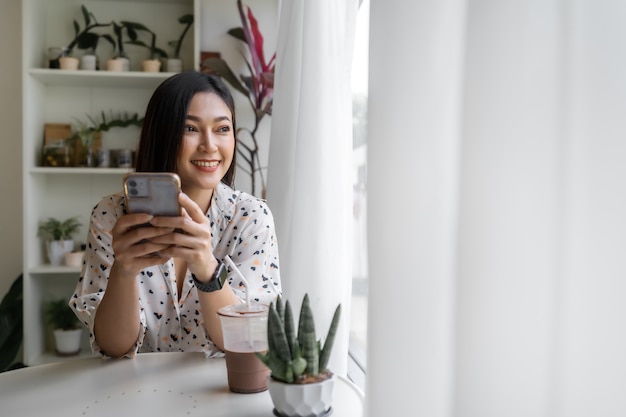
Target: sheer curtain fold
pixel 309 175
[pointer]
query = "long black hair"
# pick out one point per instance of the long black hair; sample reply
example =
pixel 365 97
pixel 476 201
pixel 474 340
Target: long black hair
pixel 164 122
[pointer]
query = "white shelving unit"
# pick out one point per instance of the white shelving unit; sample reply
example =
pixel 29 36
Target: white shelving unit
pixel 56 96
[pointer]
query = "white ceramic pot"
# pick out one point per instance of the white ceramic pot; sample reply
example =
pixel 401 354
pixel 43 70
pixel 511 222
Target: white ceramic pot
pixel 68 63
pixel 302 400
pixel 67 341
pixel 174 65
pixel 57 250
pixel 88 62
pixel 151 65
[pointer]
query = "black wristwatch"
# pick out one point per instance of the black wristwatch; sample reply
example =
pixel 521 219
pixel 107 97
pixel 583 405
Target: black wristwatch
pixel 216 282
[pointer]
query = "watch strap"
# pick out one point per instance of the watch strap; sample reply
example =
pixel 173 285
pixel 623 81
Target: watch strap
pixel 216 282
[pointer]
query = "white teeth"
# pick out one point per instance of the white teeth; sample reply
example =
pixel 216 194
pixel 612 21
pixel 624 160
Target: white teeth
pixel 205 163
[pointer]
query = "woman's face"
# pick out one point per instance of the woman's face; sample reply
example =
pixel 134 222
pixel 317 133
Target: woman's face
pixel 208 144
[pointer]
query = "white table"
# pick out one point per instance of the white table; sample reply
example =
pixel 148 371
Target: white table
pixel 152 384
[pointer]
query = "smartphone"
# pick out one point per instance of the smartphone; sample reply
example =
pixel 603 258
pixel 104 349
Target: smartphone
pixel 153 193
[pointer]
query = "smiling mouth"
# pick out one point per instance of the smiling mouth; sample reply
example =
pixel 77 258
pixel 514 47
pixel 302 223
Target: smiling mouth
pixel 206 164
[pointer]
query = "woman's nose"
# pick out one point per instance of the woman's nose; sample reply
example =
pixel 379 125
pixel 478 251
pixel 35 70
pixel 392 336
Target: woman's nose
pixel 207 142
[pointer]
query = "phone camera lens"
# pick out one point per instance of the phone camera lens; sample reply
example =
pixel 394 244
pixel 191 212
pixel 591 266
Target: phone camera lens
pixel 132 183
pixel 133 191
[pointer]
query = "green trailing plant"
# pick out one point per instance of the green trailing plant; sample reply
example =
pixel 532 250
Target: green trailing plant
pixel 258 88
pixel 113 120
pixel 155 52
pixel 55 229
pixel 131 29
pixel 297 358
pixel 92 126
pixel 59 315
pixel 84 38
pixel 186 20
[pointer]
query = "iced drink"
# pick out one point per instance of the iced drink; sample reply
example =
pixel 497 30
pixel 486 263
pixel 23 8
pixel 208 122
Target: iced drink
pixel 245 332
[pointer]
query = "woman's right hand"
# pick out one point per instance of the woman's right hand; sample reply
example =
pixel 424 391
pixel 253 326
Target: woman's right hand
pixel 132 245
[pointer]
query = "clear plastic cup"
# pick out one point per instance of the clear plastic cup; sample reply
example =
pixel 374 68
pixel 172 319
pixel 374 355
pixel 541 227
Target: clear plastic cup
pixel 245 332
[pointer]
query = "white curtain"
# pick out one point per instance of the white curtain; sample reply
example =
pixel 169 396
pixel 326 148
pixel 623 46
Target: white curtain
pixel 309 175
pixel 496 218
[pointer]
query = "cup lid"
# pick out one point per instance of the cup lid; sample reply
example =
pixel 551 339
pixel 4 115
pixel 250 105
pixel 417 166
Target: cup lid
pixel 243 310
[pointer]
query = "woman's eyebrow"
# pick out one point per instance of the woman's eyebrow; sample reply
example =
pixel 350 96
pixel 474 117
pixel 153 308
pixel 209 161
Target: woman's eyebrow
pixel 217 119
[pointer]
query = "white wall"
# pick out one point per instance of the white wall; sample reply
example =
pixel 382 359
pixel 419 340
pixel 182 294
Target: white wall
pixel 11 140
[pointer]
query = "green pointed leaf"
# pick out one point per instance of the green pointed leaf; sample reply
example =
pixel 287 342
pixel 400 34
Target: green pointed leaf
pixel 86 16
pixel 237 33
pixel 221 68
pixel 330 339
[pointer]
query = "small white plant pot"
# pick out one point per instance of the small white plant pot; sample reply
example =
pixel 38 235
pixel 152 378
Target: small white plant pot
pixel 174 65
pixel 116 64
pixel 67 341
pixel 74 258
pixel 88 62
pixel 69 63
pixel 151 65
pixel 302 400
pixel 57 250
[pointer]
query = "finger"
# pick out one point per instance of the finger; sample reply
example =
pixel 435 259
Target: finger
pixel 142 262
pixel 190 206
pixel 144 248
pixel 129 221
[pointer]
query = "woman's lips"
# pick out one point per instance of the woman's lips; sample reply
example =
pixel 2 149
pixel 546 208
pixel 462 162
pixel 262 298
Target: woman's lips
pixel 206 165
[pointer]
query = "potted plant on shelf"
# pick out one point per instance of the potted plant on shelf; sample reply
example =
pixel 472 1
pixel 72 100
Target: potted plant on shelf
pixel 152 64
pixel 175 64
pixel 300 384
pixel 67 329
pixel 87 135
pixel 120 61
pixel 58 235
pixel 83 39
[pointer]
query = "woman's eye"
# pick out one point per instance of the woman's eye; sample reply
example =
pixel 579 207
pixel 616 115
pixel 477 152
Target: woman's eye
pixel 189 128
pixel 224 129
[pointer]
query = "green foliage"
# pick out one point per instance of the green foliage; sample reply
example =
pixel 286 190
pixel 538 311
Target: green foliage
pixel 60 316
pixel 84 38
pixel 131 31
pixel 86 130
pixel 155 52
pixel 11 325
pixel 292 357
pixel 54 229
pixel 186 20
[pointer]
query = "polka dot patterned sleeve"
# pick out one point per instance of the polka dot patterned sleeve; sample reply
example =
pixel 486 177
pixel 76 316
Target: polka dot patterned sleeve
pixel 99 258
pixel 245 227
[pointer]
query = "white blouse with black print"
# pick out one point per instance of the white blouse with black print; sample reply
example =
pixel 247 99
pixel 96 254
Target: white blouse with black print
pixel 242 227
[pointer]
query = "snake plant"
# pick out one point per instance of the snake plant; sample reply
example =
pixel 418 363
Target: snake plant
pixel 297 358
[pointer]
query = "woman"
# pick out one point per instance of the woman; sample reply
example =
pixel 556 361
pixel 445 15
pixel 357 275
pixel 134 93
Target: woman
pixel 132 302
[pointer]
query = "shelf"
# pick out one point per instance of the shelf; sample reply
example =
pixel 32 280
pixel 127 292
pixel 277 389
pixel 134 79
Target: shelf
pixel 101 79
pixel 50 357
pixel 79 171
pixel 51 270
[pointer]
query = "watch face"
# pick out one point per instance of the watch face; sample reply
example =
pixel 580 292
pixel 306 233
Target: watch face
pixel 221 275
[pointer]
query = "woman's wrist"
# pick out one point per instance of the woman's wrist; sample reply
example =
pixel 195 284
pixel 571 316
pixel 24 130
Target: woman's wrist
pixel 207 276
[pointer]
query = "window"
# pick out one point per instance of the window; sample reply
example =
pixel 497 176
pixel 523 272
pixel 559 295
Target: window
pixel 358 325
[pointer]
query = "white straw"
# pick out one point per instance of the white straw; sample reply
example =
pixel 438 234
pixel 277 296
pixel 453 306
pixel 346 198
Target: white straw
pixel 243 279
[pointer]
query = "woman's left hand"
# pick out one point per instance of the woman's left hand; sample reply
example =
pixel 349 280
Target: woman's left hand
pixel 191 240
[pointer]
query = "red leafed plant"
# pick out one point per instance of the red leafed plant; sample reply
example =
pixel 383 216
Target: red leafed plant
pixel 258 87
